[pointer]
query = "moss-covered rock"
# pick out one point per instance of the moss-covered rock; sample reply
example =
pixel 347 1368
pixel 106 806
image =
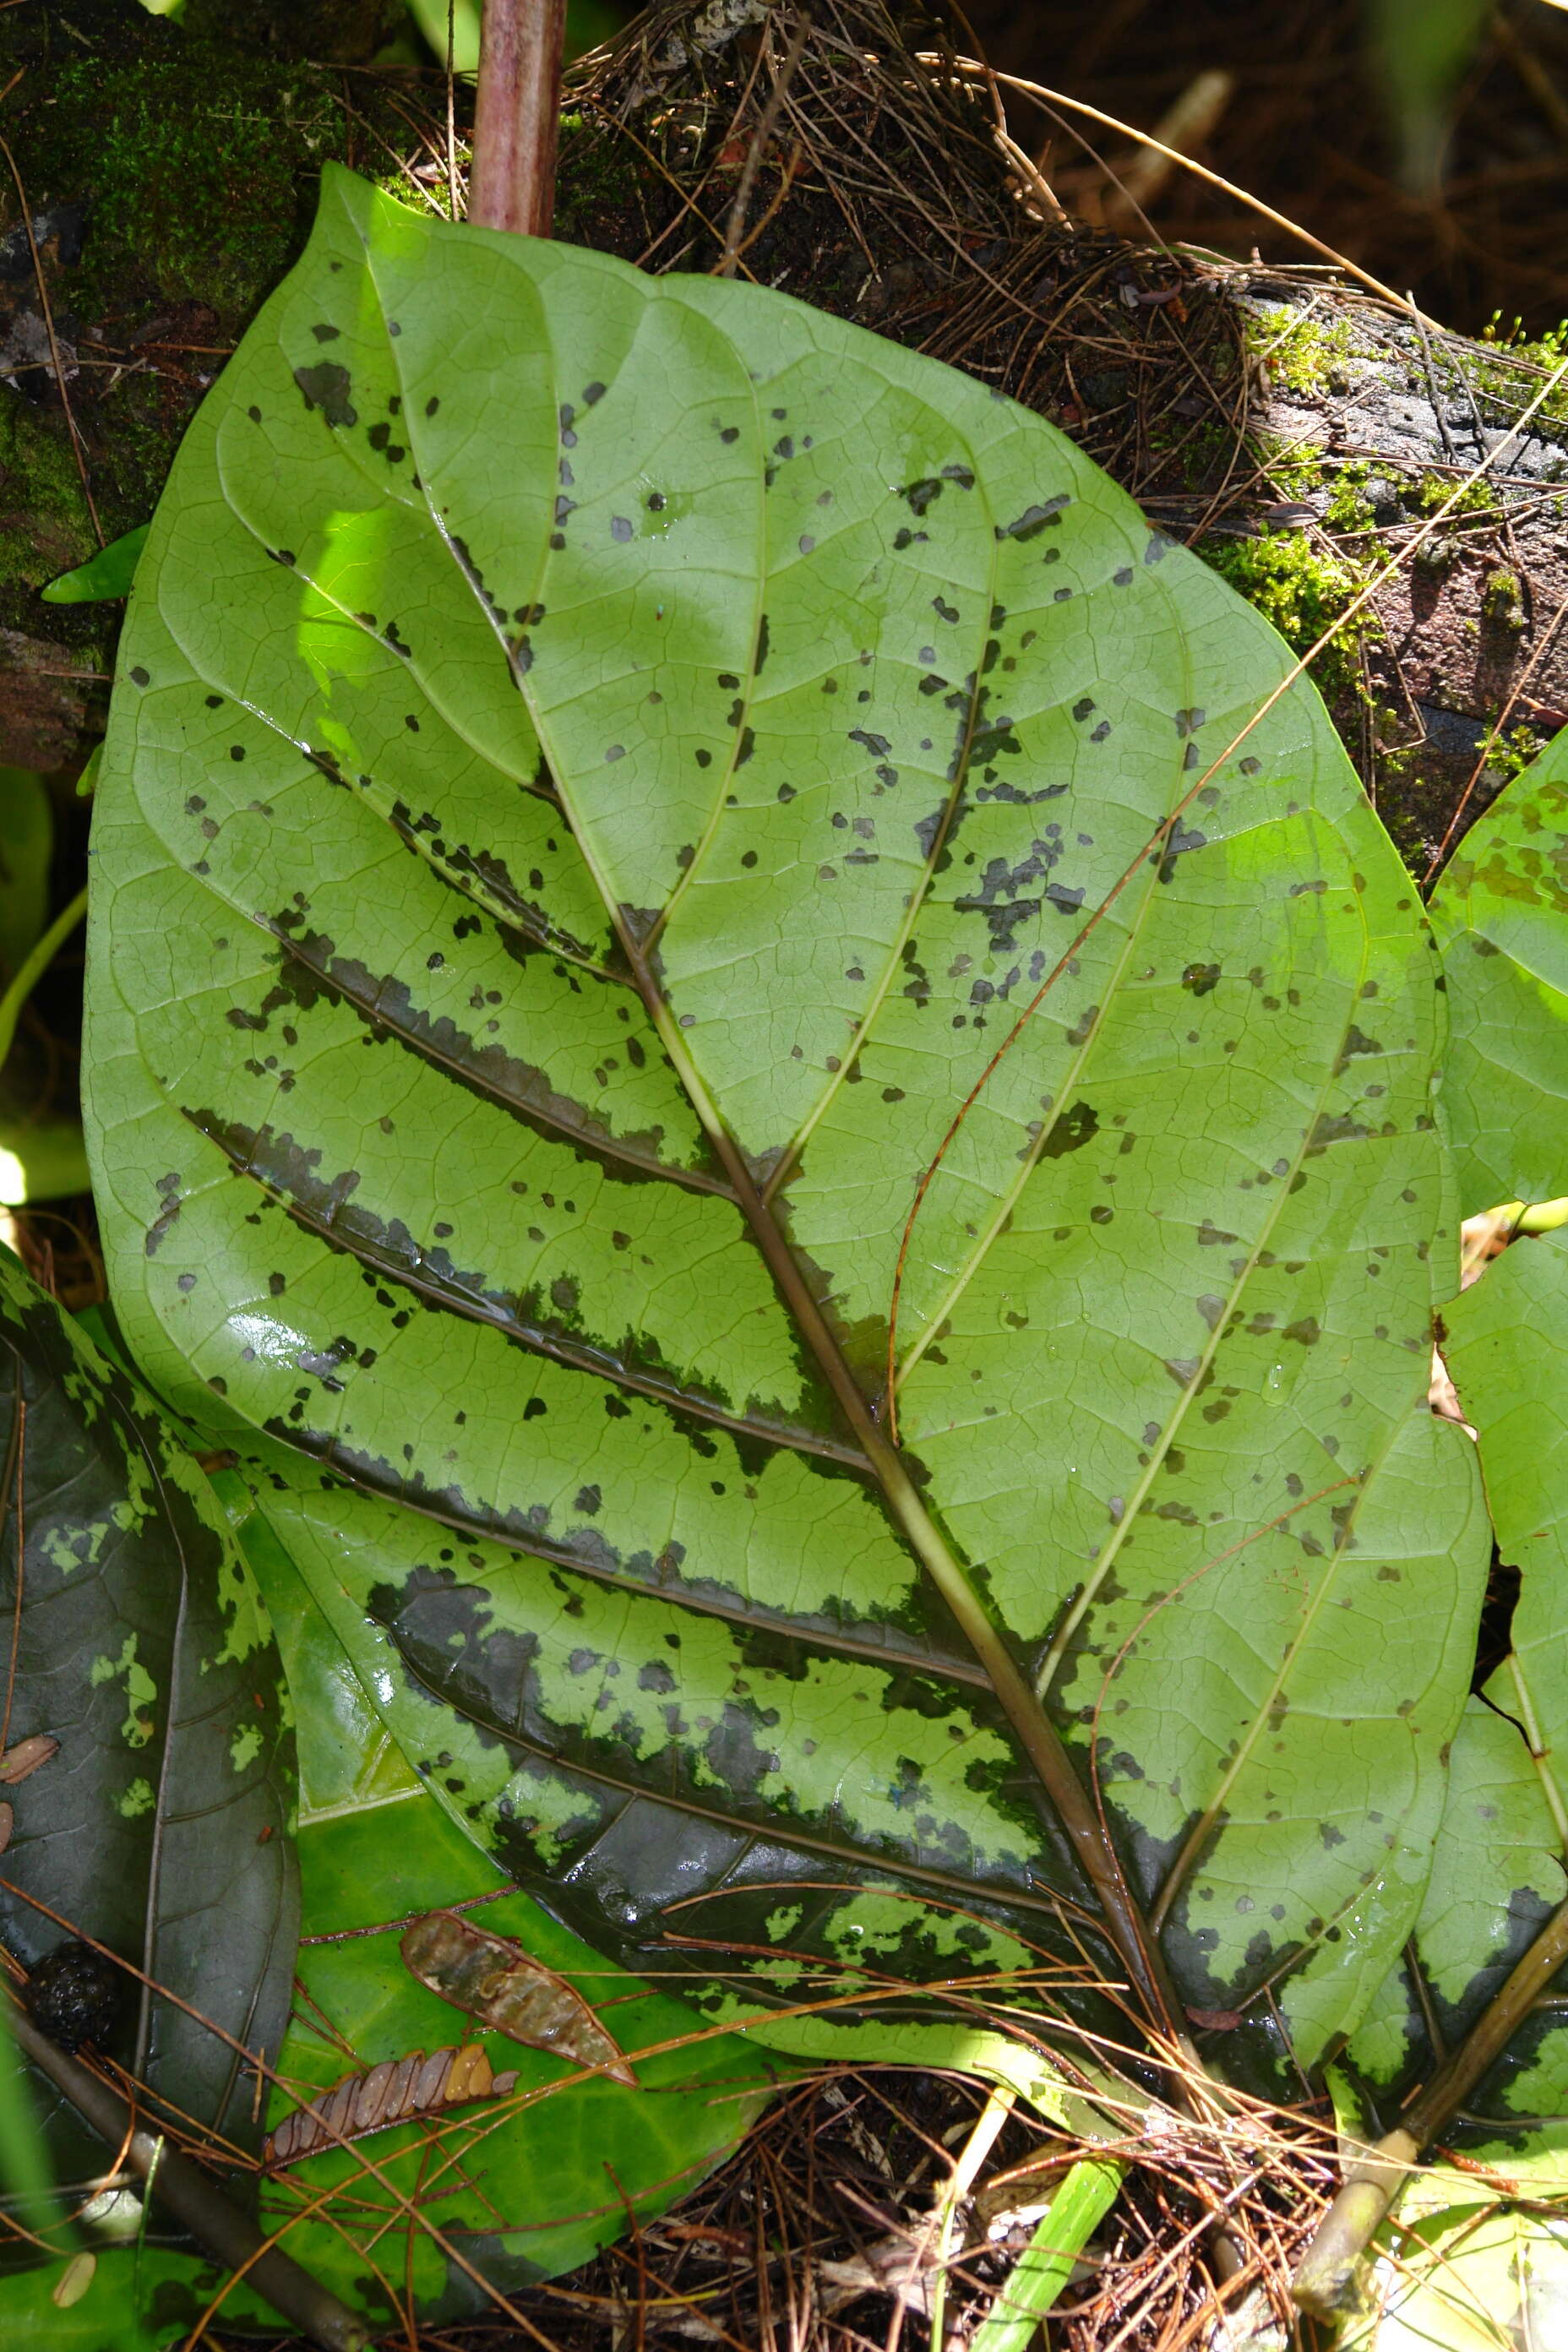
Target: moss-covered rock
pixel 187 168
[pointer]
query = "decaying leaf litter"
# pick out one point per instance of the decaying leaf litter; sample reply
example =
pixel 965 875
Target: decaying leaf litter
pixel 1205 990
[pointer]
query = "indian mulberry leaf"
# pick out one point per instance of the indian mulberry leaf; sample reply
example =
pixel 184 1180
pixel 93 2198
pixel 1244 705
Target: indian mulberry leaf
pixel 642 825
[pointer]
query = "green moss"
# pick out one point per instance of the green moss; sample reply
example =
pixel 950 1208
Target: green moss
pixel 1516 748
pixel 1502 600
pixel 1347 509
pixel 1548 351
pixel 191 171
pixel 1302 355
pixel 55 533
pixel 1303 592
pixel 1474 499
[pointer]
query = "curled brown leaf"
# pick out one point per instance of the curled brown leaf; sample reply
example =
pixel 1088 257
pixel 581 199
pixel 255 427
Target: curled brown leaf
pixel 392 2093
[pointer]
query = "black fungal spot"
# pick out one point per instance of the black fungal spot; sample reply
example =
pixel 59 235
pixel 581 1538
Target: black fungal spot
pixel 168 1190
pixel 326 386
pixel 1183 839
pixel 1199 977
pixel 1075 1128
pixel 139 677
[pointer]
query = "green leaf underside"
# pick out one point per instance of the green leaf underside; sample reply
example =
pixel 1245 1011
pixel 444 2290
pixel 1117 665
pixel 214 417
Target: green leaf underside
pixel 1500 1865
pixel 592 752
pixel 160 1828
pixel 1499 913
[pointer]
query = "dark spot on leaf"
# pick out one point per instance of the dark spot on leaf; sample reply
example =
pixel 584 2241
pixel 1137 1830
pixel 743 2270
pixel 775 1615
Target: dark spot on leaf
pixel 1034 520
pixel 1075 1128
pixel 326 386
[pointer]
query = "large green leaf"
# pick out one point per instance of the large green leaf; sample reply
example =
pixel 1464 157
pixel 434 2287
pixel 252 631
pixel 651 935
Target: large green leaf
pixel 600 767
pixel 137 1640
pixel 1499 915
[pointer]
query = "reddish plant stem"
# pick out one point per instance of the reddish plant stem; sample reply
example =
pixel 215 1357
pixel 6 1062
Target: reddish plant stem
pixel 512 183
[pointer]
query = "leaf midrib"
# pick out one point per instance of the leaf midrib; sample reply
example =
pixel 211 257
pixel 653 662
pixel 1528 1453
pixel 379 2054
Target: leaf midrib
pixel 1085 1827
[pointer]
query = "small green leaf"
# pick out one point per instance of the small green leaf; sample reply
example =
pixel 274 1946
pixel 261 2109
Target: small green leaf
pixel 106 574
pixel 1035 2281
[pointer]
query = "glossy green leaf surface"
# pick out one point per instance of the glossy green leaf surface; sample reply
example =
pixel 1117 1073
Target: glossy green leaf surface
pixel 160 1827
pixel 600 768
pixel 533 2177
pixel 1499 915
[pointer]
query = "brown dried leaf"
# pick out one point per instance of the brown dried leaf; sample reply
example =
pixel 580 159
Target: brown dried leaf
pixel 502 1985
pixel 388 2093
pixel 26 1756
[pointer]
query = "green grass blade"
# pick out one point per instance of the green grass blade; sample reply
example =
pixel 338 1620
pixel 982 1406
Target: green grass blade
pixel 1044 2267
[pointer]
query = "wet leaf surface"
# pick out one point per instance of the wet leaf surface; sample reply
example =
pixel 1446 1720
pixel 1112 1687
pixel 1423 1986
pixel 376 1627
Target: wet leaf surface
pixel 149 1764
pixel 533 2173
pixel 605 772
